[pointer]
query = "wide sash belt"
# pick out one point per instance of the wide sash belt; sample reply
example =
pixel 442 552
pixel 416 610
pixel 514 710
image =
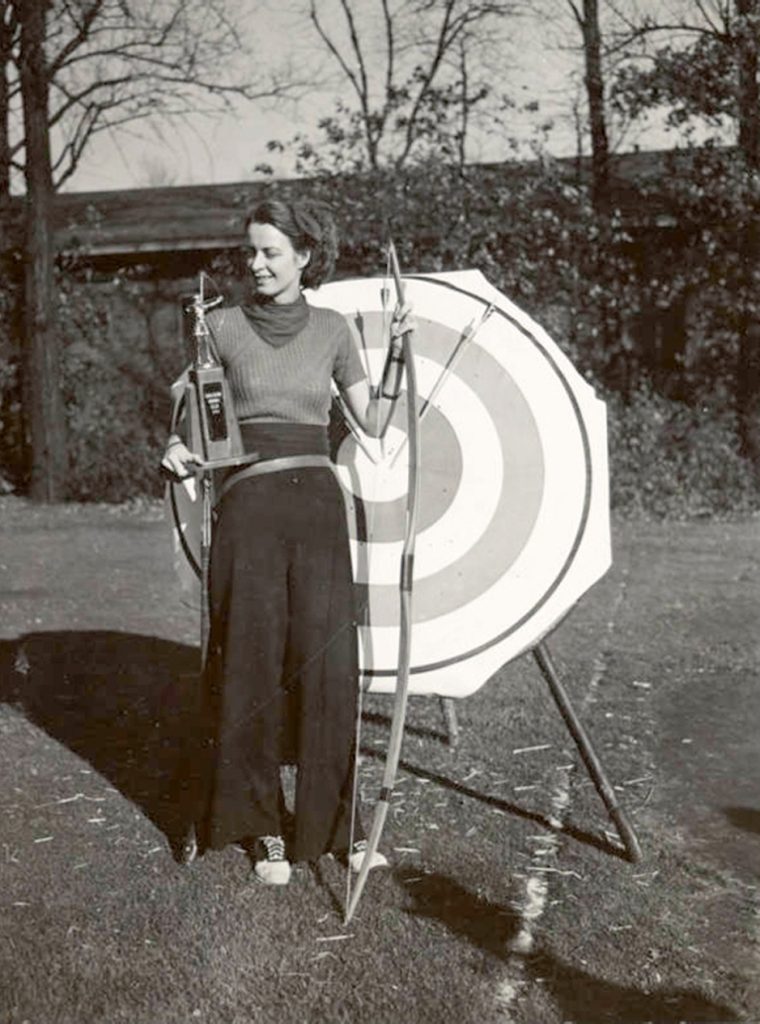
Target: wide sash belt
pixel 284 463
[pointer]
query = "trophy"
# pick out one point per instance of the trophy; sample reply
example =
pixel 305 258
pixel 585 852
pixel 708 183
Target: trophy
pixel 212 425
pixel 213 432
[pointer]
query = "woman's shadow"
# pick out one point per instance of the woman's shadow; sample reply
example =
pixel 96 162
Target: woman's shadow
pixel 127 704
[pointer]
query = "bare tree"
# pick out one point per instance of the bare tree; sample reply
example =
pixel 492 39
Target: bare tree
pixel 409 67
pixel 111 64
pixel 83 67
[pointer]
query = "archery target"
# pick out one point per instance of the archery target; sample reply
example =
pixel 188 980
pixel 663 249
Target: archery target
pixel 513 521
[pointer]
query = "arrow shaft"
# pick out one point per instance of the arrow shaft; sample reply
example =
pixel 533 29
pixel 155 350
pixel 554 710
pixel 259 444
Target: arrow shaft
pixel 353 426
pixel 453 359
pixel 468 336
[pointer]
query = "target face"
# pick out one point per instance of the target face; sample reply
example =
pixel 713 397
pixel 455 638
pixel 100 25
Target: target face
pixel 513 522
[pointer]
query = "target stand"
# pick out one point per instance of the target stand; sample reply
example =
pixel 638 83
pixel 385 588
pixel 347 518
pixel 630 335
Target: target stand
pixel 582 740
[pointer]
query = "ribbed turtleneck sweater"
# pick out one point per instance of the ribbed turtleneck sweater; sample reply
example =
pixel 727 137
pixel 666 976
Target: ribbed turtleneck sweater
pixel 287 383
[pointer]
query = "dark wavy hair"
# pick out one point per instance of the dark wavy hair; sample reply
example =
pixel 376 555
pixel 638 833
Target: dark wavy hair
pixel 309 225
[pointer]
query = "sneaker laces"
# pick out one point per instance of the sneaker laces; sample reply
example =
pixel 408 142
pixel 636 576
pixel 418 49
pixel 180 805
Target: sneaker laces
pixel 274 846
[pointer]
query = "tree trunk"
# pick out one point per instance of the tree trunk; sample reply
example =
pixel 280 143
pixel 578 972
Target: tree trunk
pixel 6 43
pixel 604 264
pixel 748 368
pixel 44 413
pixel 594 80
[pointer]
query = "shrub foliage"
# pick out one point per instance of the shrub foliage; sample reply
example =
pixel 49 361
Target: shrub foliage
pixel 674 448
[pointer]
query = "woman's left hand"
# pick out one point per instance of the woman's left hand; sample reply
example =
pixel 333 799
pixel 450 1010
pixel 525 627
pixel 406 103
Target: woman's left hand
pixel 403 322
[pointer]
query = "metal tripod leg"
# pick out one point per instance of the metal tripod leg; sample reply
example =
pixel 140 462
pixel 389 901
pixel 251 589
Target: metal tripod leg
pixel 588 754
pixel 448 708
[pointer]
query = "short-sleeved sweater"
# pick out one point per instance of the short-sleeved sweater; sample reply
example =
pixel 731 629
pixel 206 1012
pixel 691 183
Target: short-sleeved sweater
pixel 288 383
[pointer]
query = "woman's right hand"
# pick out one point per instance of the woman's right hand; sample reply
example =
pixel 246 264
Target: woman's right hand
pixel 178 460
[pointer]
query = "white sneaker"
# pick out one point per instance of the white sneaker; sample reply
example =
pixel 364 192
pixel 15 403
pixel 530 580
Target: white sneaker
pixel 356 857
pixel 274 869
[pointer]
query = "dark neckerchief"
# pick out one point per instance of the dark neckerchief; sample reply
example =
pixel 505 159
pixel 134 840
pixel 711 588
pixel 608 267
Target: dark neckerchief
pixel 278 323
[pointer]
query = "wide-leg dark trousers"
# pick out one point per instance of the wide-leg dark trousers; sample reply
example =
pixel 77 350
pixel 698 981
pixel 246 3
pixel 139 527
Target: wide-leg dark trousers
pixel 281 680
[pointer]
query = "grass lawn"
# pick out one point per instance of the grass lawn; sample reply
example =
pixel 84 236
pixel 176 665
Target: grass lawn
pixel 507 898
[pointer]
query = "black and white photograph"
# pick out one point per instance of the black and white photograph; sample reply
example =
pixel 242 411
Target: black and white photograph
pixel 379 511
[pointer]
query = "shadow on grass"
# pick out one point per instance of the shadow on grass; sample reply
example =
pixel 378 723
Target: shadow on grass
pixel 588 1000
pixel 123 702
pixel 436 897
pixel 332 886
pixel 746 818
pixel 578 995
pixel 587 838
pixel 424 732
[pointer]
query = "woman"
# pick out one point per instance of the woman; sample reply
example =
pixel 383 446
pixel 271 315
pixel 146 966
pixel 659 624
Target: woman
pixel 281 678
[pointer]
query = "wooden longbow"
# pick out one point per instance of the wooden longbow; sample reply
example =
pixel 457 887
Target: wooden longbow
pixel 406 583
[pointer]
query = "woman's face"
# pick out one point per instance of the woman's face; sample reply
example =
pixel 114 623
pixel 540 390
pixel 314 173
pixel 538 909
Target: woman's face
pixel 274 264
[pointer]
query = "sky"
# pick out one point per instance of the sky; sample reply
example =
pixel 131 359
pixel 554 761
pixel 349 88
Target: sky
pixel 538 65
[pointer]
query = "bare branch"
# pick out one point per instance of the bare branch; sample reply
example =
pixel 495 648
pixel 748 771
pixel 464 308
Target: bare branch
pixel 326 39
pixel 76 99
pixel 358 78
pixel 427 79
pixel 356 46
pixel 576 13
pixel 83 30
pixel 709 21
pixel 389 45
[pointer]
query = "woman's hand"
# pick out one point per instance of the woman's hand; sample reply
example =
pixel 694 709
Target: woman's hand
pixel 403 322
pixel 178 460
pixel 373 410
